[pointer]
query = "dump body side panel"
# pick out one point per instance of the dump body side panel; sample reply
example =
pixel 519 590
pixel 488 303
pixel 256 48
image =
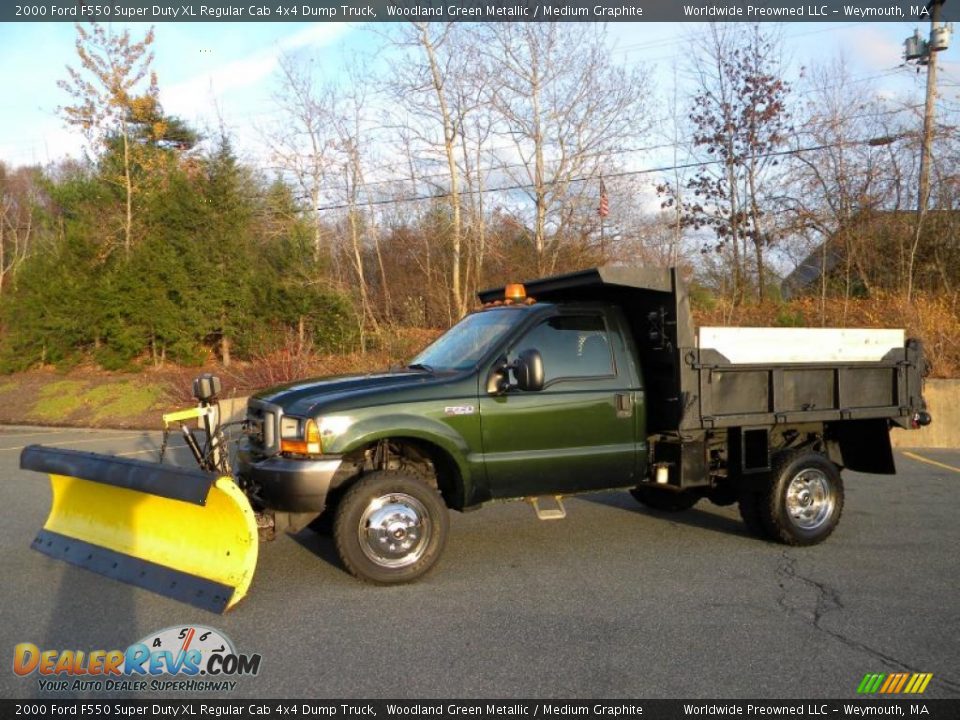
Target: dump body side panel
pixel 742 395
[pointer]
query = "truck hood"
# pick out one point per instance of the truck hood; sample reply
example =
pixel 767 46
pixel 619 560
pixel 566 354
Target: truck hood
pixel 312 397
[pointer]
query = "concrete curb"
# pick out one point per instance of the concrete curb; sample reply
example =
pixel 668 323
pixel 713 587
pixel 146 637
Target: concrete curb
pixel 943 402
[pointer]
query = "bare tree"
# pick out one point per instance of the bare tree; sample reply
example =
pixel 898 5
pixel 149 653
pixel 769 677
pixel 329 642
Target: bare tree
pixel 437 91
pixel 352 130
pixel 740 120
pixel 566 110
pixel 19 203
pixel 105 94
pixel 302 146
pixel 849 174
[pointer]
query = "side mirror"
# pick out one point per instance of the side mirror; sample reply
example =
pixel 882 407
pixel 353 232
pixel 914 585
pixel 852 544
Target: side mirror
pixel 528 370
pixel 498 381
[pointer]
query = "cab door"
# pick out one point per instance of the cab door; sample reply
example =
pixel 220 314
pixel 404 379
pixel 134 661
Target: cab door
pixel 576 434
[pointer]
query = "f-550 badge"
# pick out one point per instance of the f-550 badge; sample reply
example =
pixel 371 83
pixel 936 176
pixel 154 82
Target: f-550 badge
pixel 459 410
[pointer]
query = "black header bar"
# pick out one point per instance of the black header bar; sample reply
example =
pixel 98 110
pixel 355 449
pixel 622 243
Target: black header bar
pixel 474 11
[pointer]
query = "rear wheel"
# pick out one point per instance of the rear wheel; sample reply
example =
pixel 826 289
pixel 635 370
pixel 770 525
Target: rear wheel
pixel 804 501
pixel 664 500
pixel 390 528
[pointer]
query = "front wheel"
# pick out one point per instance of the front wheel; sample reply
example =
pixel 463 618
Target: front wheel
pixel 804 501
pixel 390 528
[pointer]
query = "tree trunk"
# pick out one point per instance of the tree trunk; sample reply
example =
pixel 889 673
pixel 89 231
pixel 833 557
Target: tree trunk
pixel 3 263
pixel 758 236
pixel 449 138
pixel 129 188
pixel 224 341
pixel 758 247
pixel 538 171
pixel 737 289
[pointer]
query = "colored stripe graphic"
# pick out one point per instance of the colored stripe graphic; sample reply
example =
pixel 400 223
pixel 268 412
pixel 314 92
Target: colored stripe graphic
pixel 870 683
pixel 894 683
pixel 903 681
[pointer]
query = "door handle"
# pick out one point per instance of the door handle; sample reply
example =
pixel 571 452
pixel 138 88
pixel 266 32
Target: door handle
pixel 624 405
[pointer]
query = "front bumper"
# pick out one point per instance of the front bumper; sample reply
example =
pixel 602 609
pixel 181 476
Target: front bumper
pixel 289 484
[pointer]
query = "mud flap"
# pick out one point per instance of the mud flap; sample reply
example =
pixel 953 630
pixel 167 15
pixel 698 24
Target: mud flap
pixel 862 446
pixel 182 533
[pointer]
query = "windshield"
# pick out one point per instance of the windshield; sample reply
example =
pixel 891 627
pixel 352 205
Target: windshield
pixel 462 346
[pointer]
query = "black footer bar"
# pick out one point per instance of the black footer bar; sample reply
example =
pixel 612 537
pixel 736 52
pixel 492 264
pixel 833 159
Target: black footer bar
pixel 914 707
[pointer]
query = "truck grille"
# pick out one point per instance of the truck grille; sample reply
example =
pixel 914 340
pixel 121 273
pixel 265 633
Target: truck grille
pixel 263 423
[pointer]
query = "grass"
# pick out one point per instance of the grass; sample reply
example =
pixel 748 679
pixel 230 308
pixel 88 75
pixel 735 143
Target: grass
pixel 59 399
pixel 114 401
pixel 122 400
pixel 9 387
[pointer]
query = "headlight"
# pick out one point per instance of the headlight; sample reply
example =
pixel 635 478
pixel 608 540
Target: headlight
pixel 299 436
pixel 291 428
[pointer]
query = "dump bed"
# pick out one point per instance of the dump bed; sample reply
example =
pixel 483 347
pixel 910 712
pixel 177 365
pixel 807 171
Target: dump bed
pixel 740 377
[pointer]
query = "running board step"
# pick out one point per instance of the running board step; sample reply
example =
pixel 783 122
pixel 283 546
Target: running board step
pixel 557 513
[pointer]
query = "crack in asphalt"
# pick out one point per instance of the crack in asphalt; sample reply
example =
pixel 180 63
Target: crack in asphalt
pixel 828 600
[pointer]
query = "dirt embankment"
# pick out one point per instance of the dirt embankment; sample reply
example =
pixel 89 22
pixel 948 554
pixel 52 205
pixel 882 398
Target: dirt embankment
pixel 87 398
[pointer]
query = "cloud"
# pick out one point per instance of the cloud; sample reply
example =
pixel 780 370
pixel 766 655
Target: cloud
pixel 192 96
pixel 877 49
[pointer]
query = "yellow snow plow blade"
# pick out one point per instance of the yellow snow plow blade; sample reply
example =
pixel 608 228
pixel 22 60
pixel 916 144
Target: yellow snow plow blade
pixel 183 533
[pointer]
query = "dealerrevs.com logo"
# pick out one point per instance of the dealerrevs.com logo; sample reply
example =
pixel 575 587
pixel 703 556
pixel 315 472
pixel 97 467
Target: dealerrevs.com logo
pixel 197 658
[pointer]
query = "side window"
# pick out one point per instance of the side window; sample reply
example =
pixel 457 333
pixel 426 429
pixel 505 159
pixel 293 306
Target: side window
pixel 572 346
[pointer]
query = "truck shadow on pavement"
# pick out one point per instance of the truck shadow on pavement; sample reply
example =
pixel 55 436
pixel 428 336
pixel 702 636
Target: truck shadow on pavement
pixel 320 543
pixel 695 517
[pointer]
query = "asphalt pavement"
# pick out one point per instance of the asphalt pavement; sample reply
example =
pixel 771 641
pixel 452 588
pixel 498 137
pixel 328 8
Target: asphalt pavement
pixel 615 601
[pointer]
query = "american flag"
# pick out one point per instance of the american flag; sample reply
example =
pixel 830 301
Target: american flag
pixel 603 209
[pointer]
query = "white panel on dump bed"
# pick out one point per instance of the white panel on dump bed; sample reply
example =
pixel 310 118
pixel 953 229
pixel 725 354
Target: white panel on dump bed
pixel 743 345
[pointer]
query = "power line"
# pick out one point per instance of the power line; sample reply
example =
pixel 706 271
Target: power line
pixel 587 178
pixel 622 151
pixel 503 148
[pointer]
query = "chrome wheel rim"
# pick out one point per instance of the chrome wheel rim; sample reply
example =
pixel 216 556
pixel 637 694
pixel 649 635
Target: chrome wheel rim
pixel 395 530
pixel 810 499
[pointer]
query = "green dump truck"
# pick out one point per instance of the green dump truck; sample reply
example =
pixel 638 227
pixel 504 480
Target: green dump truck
pixel 590 381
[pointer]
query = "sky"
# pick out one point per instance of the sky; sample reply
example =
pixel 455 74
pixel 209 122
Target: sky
pixel 226 72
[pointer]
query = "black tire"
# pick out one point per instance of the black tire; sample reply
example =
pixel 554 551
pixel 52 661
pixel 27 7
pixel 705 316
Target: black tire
pixel 390 528
pixel 751 511
pixel 723 494
pixel 664 500
pixel 804 502
pixel 323 524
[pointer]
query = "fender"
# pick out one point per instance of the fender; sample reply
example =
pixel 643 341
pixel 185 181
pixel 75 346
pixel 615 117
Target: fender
pixel 369 430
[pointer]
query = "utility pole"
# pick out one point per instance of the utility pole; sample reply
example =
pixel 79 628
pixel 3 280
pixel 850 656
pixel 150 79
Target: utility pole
pixel 925 53
pixel 926 153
